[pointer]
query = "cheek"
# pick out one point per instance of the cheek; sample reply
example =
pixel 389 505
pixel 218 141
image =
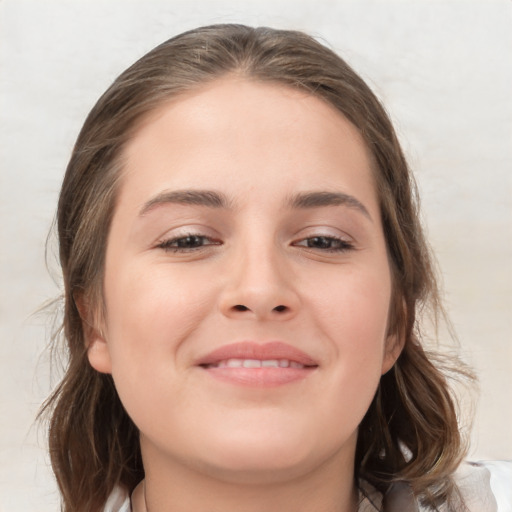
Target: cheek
pixel 150 315
pixel 150 311
pixel 352 315
pixel 354 307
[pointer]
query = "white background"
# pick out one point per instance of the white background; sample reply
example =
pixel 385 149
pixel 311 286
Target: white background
pixel 444 71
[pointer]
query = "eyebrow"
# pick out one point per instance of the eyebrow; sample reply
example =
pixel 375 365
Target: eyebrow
pixel 207 198
pixel 320 199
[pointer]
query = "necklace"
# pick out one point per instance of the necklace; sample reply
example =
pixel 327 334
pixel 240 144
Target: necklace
pixel 144 493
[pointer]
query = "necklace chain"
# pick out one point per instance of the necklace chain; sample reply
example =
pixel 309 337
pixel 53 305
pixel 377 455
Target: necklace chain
pixel 144 493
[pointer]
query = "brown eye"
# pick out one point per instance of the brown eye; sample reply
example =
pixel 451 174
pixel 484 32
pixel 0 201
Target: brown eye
pixel 190 242
pixel 187 243
pixel 325 243
pixel 321 242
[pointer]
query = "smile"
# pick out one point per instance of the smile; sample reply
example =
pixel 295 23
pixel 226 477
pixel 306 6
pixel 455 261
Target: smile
pixel 256 363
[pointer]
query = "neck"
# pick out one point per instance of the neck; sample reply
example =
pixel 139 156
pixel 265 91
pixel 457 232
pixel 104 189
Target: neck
pixel 329 488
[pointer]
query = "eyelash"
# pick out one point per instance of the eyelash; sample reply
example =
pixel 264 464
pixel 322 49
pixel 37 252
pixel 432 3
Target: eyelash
pixel 341 245
pixel 173 244
pixel 167 245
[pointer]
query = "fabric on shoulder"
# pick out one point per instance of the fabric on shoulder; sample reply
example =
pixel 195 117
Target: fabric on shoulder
pixel 118 501
pixel 483 486
pixel 473 480
pixel 501 482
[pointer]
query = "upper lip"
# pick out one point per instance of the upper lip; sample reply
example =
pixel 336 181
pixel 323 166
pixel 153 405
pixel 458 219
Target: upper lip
pixel 261 351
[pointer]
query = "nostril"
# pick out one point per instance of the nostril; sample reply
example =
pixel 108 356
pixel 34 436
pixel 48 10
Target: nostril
pixel 240 307
pixel 279 309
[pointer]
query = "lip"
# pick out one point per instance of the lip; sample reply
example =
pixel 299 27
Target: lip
pixel 252 350
pixel 259 377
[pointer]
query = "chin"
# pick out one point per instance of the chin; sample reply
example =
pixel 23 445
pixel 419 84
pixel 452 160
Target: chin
pixel 263 459
pixel 246 467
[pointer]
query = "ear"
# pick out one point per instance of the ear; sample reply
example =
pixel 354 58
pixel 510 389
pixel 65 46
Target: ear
pixel 98 351
pixel 392 350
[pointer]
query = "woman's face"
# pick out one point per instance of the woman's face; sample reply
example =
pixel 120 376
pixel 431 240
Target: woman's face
pixel 247 284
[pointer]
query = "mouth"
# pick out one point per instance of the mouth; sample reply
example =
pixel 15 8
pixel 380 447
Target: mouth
pixel 260 365
pixel 256 363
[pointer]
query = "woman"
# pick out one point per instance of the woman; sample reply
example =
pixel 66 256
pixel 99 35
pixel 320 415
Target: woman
pixel 243 267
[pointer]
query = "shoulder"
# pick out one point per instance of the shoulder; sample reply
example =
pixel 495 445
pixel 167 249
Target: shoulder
pixel 118 501
pixel 486 485
pixel 483 486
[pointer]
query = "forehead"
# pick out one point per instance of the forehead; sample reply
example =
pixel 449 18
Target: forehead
pixel 239 133
pixel 242 106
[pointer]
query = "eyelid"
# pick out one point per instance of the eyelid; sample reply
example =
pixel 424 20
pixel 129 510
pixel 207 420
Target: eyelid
pixel 186 229
pixel 323 230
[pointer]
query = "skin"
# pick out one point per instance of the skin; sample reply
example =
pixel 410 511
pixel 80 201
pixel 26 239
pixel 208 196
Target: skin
pixel 213 445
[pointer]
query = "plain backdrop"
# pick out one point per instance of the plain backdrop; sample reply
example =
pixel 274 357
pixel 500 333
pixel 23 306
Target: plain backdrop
pixel 444 71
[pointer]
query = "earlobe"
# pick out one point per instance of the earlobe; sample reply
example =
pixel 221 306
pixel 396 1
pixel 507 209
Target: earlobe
pixel 392 351
pixel 396 336
pixel 99 355
pixel 95 341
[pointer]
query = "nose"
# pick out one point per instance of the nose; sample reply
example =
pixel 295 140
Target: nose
pixel 259 287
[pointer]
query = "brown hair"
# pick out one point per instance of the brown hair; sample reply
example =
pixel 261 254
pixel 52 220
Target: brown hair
pixel 410 431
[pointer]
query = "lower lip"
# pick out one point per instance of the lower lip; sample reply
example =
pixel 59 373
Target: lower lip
pixel 260 377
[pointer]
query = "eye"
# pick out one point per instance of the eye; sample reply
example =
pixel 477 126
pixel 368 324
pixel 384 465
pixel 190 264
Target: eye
pixel 325 243
pixel 190 242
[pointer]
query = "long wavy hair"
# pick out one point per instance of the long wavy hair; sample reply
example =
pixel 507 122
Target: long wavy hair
pixel 410 432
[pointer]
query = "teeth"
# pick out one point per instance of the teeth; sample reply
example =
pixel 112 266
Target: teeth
pixel 257 363
pixel 234 363
pixel 251 363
